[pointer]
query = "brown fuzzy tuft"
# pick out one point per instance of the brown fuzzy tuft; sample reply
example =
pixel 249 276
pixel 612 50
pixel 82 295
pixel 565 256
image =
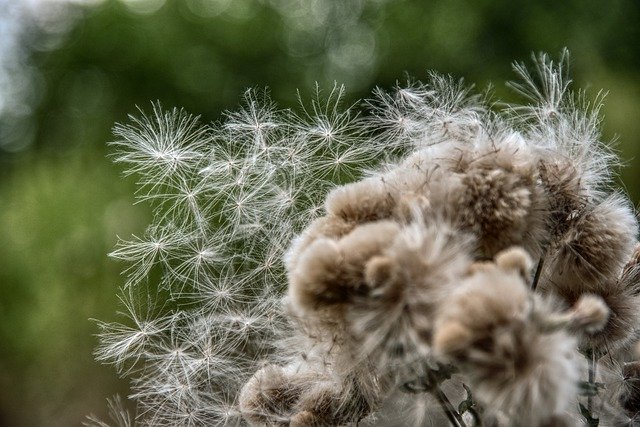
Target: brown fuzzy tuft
pixel 363 201
pixel 596 246
pixel 623 303
pixel 564 191
pixel 327 226
pixel 269 396
pixel 515 259
pixel 501 203
pixel 489 329
pixel 331 272
pixel 407 282
pixel 277 396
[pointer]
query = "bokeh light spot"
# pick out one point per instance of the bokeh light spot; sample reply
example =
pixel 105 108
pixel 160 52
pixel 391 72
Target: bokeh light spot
pixel 144 7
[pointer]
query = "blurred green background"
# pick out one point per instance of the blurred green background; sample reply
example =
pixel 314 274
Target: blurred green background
pixel 70 70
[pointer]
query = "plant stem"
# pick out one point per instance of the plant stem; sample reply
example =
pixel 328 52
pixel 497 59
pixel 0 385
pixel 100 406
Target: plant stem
pixel 536 277
pixel 454 417
pixel 592 377
pixel 476 416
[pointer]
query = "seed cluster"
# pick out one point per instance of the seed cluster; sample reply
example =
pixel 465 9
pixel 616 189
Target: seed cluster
pixel 435 260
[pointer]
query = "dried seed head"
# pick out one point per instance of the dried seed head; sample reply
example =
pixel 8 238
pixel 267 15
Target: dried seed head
pixel 393 322
pixel 330 272
pixel 622 302
pixel 623 322
pixel 330 226
pixel 489 296
pixel 362 201
pixel 596 246
pixel 268 397
pixel 488 328
pixel 515 259
pixel 630 277
pixel 386 275
pixel 294 396
pixel 502 207
pixel 566 196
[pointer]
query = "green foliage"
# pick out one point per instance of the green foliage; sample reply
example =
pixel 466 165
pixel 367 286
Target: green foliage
pixel 58 221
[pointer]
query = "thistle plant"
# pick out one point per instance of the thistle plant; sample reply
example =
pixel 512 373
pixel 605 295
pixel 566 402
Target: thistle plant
pixel 438 258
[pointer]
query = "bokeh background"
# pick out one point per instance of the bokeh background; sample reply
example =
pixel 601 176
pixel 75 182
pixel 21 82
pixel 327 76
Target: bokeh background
pixel 70 69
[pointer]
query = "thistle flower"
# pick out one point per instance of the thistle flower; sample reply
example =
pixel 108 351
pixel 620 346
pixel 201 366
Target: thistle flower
pixel 394 321
pixel 499 199
pixel 490 328
pixel 277 396
pixel 617 284
pixel 328 267
pixel 330 274
pixel 598 243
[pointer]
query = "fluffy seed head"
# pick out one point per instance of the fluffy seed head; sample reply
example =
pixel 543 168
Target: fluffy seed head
pixel 598 243
pixel 362 201
pixel 394 320
pixel 496 204
pixel 289 396
pixel 330 272
pixel 380 271
pixel 488 328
